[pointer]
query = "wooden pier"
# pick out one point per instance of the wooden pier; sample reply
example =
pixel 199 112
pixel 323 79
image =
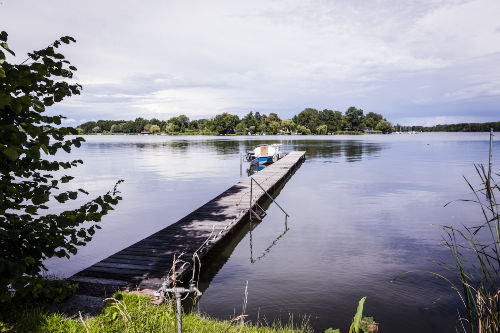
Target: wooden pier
pixel 144 265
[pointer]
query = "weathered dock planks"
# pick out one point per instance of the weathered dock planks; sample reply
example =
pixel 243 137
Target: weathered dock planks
pixel 143 265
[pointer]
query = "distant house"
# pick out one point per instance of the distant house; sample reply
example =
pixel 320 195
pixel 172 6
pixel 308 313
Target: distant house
pixel 366 129
pixel 145 133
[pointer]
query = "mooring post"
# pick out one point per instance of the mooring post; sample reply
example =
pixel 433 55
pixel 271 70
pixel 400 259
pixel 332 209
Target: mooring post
pixel 490 162
pixel 177 291
pixel 241 164
pixel 179 312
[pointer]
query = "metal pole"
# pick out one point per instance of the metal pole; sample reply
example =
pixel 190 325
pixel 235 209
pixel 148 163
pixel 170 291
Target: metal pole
pixel 268 196
pixel 241 164
pixel 179 312
pixel 491 154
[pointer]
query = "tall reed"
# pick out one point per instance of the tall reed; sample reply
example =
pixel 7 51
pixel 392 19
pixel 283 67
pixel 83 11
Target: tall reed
pixel 475 252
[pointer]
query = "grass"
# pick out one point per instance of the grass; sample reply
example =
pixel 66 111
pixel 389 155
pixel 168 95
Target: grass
pixel 127 312
pixel 475 252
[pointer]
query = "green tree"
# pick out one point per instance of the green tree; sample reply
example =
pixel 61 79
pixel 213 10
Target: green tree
pixel 288 125
pixel 226 123
pixel 154 129
pixel 273 117
pixel 183 122
pixel 115 128
pixel 371 120
pixel 250 122
pixel 193 125
pixel 303 130
pixel 345 124
pixel 96 129
pixel 139 124
pixel 274 127
pixel 241 129
pixel 384 126
pixel 332 119
pixel 322 130
pixel 127 127
pixel 308 118
pixel 170 128
pixel 354 117
pixel 28 185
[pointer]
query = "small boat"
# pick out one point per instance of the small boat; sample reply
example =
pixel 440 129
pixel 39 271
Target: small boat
pixel 265 154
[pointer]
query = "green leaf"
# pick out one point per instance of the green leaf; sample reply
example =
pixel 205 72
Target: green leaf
pixel 4 98
pixel 30 210
pixel 6 48
pixel 3 36
pixel 331 330
pixel 38 106
pixel 62 197
pixel 11 153
pixel 2 73
pixel 66 179
pixel 44 148
pixel 357 317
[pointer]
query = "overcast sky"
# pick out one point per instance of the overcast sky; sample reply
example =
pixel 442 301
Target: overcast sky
pixel 416 62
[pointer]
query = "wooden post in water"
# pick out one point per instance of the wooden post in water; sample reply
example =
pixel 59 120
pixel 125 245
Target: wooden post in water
pixel 488 180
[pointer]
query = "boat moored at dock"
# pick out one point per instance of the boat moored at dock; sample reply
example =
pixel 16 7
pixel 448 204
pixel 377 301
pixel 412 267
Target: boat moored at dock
pixel 265 154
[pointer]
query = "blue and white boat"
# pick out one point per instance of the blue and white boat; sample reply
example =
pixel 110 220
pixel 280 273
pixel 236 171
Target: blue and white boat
pixel 266 154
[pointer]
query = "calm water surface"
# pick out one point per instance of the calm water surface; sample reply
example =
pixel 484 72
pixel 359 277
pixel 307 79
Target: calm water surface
pixel 363 210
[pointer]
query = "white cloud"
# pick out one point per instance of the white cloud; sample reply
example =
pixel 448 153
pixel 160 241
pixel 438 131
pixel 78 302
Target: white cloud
pixel 201 58
pixel 474 91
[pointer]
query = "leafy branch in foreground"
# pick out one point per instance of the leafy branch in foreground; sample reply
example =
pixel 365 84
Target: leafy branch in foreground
pixel 28 182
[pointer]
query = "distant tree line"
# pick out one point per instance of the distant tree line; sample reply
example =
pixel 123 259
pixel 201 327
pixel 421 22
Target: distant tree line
pixel 462 127
pixel 309 121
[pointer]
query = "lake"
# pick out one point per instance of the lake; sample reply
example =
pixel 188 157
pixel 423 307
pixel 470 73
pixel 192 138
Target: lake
pixel 363 209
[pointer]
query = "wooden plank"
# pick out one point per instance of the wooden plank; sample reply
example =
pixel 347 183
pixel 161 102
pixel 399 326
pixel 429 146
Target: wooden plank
pixel 144 263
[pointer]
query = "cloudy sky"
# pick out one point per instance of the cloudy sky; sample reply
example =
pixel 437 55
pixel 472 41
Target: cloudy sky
pixel 416 62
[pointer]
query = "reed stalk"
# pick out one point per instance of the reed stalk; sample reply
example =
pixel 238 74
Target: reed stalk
pixel 475 253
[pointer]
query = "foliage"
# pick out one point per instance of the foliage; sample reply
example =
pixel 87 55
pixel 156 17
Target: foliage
pixel 154 129
pixel 354 117
pixel 322 129
pixel 226 123
pixel 133 313
pixel 309 118
pixel 384 126
pixel 357 317
pixel 462 127
pixel 308 121
pixel 288 125
pixel 365 324
pixel 274 127
pixel 476 259
pixel 28 182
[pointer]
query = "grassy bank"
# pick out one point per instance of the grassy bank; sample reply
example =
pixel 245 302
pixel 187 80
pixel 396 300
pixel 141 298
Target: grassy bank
pixel 130 313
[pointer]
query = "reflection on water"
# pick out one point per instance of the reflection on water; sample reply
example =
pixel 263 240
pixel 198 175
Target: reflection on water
pixel 363 210
pixel 268 249
pixel 253 168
